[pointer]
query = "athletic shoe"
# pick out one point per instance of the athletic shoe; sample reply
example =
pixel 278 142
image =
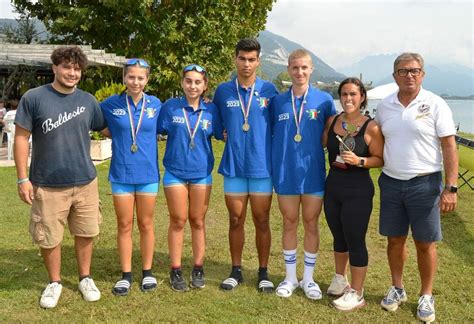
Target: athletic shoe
pixel 177 281
pixel 197 279
pixel 50 295
pixel 89 290
pixel 349 301
pixel 338 285
pixel 426 311
pixel 393 299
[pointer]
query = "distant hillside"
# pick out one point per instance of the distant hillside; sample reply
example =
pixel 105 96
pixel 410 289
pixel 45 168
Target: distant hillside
pixel 40 28
pixel 448 79
pixel 274 59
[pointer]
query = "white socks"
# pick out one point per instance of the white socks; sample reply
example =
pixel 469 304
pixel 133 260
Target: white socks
pixel 309 265
pixel 290 265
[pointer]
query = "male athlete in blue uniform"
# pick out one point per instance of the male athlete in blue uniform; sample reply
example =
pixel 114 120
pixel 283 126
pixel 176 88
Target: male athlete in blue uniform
pixel 298 165
pixel 243 104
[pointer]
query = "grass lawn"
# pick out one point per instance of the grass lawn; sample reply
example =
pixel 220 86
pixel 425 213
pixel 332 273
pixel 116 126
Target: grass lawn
pixel 22 274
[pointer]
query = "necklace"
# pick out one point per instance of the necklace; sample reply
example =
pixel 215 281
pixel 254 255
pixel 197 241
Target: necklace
pixel 349 127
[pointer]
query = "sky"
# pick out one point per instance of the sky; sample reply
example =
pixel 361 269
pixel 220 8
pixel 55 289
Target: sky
pixel 344 32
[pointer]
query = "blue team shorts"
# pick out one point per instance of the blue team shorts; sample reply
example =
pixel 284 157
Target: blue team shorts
pixel 170 180
pixel 132 189
pixel 245 186
pixel 411 204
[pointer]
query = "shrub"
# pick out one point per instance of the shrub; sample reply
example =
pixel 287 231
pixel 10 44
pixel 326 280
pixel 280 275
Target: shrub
pixel 102 94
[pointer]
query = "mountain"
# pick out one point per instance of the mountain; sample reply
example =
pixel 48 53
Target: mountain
pixel 41 32
pixel 274 58
pixel 448 79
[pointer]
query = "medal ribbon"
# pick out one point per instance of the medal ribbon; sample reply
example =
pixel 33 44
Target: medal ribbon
pixel 192 133
pixel 130 116
pixel 293 105
pixel 245 110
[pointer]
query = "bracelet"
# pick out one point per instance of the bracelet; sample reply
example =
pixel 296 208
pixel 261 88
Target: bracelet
pixel 20 181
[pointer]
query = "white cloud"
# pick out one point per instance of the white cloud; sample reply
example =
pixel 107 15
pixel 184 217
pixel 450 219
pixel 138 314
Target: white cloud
pixel 343 32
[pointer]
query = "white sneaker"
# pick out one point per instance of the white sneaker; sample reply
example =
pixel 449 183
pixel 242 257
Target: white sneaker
pixel 50 295
pixel 393 299
pixel 338 286
pixel 425 311
pixel 349 301
pixel 89 290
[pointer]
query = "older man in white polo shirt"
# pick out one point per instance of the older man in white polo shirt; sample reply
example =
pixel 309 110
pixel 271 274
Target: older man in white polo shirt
pixel 419 138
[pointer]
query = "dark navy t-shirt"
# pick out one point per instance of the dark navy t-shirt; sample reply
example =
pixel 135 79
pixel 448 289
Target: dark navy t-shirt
pixel 60 124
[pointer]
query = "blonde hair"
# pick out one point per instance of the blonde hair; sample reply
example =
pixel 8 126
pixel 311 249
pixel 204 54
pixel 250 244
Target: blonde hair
pixel 299 53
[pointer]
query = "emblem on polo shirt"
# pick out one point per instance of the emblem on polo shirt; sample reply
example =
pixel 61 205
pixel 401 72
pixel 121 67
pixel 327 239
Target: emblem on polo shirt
pixel 150 112
pixel 284 116
pixel 423 111
pixel 263 102
pixel 119 112
pixel 312 114
pixel 233 103
pixel 205 124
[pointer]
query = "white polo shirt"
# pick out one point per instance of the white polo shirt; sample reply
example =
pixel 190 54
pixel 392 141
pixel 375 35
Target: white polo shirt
pixel 412 134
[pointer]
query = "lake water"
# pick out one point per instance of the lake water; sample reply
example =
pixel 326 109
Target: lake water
pixel 463 112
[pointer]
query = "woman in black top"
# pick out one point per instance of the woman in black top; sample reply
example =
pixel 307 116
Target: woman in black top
pixel 355 144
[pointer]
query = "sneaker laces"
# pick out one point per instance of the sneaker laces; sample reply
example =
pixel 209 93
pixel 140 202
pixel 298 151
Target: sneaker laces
pixel 49 291
pixel 198 273
pixel 177 275
pixel 425 304
pixel 350 294
pixel 88 284
pixel 393 295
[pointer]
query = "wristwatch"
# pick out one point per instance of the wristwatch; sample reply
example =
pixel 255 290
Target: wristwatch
pixel 450 188
pixel 361 163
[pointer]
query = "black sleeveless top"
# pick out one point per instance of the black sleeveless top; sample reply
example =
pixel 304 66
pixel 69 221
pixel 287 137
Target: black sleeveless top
pixel 361 148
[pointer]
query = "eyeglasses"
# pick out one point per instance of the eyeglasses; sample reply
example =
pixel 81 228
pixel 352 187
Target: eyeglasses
pixel 404 72
pixel 194 67
pixel 137 61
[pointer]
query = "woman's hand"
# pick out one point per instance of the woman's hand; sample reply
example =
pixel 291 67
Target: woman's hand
pixel 350 158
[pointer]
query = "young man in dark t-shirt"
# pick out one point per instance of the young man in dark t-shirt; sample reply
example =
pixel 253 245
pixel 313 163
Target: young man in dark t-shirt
pixel 62 184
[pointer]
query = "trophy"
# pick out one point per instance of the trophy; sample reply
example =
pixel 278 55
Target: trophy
pixel 347 143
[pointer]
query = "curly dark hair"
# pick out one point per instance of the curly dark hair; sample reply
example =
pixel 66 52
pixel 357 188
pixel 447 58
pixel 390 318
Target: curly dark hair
pixel 69 54
pixel 359 84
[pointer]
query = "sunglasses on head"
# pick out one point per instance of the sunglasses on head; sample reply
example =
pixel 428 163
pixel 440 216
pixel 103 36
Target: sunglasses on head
pixel 194 67
pixel 137 61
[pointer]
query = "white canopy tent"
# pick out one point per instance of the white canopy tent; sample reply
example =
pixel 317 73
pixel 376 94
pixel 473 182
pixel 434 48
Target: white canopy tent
pixel 382 91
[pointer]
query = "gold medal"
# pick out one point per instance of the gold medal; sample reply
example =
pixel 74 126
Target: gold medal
pixel 298 138
pixel 134 148
pixel 245 127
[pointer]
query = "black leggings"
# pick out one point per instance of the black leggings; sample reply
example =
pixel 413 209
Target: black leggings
pixel 348 205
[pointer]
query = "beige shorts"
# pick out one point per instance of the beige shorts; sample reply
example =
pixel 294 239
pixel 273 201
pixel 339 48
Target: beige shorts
pixel 53 207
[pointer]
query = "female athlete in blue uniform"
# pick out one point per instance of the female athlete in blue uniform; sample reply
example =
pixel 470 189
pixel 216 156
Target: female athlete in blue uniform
pixel 132 123
pixel 190 123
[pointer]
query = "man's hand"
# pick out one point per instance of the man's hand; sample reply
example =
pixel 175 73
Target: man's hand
pixel 448 201
pixel 25 191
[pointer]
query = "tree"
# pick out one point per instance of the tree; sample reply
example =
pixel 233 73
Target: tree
pixel 25 32
pixel 278 81
pixel 170 34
